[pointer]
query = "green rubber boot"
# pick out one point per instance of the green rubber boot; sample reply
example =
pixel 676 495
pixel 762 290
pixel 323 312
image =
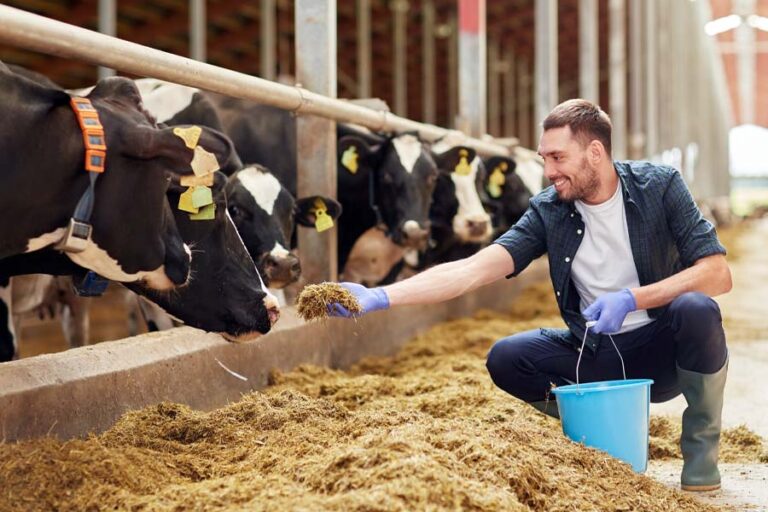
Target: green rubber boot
pixel 548 407
pixel 700 440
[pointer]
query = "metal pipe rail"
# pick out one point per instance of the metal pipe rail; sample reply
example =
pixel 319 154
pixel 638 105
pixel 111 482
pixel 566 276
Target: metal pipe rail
pixel 34 32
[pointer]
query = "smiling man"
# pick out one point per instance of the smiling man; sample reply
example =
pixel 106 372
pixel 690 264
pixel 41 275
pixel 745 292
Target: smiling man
pixel 629 249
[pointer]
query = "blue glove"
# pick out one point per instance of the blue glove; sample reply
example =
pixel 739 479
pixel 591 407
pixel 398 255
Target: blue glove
pixel 370 299
pixel 610 310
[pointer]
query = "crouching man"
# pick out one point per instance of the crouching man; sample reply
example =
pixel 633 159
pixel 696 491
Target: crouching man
pixel 627 248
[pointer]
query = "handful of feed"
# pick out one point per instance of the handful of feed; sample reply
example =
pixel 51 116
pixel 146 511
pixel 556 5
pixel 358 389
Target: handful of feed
pixel 314 299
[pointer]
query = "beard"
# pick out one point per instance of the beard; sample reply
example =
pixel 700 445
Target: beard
pixel 583 183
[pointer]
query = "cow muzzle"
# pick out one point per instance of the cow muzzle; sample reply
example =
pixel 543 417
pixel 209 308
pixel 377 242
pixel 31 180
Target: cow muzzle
pixel 414 236
pixel 476 229
pixel 281 270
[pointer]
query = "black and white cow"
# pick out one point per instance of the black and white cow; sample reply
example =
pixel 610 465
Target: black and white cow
pixel 43 177
pixel 225 293
pixel 265 212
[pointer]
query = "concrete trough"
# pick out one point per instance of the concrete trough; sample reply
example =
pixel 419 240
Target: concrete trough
pixel 72 393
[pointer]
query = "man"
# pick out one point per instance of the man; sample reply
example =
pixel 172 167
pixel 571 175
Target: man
pixel 627 248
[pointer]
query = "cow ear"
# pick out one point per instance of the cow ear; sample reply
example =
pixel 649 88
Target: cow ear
pixel 452 159
pixel 501 163
pixel 180 148
pixel 306 207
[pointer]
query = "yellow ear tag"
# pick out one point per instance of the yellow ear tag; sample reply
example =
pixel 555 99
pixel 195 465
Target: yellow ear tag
pixel 496 181
pixel 197 181
pixel 185 202
pixel 349 159
pixel 463 168
pixel 204 162
pixel 201 196
pixel 190 135
pixel 207 212
pixel 323 221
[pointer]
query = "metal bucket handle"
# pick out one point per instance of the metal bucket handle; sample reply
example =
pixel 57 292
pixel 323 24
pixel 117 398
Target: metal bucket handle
pixel 589 324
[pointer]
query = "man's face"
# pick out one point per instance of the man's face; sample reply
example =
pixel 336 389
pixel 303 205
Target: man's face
pixel 566 165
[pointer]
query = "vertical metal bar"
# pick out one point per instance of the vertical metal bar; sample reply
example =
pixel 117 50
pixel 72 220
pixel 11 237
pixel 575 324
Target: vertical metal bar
pixel 363 48
pixel 617 64
pixel 453 71
pixel 545 50
pixel 651 84
pixel 316 137
pixel 494 89
pixel 589 57
pixel 472 66
pixel 108 26
pixel 197 29
pixel 267 50
pixel 524 128
pixel 428 71
pixel 510 93
pixel 400 63
pixel 636 95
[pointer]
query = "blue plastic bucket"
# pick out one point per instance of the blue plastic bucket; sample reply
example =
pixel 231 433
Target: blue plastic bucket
pixel 612 416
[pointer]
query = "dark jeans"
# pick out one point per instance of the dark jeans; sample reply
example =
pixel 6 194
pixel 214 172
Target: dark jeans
pixel 689 334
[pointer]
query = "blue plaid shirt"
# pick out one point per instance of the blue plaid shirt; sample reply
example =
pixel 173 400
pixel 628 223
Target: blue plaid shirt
pixel 666 231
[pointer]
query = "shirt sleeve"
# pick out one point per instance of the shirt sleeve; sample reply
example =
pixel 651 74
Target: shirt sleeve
pixel 694 235
pixel 525 241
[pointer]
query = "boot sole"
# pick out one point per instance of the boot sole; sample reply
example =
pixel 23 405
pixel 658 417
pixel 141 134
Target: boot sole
pixel 700 488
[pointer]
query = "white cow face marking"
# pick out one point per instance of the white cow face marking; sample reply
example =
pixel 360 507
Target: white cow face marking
pixel 263 186
pixel 408 149
pixel 164 99
pixel 471 223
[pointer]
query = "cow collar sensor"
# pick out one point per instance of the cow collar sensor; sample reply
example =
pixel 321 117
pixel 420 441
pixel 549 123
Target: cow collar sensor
pixel 79 229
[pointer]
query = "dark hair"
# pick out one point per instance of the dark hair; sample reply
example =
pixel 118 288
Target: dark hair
pixel 586 120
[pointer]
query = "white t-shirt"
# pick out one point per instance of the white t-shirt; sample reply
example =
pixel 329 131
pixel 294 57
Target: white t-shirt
pixel 604 261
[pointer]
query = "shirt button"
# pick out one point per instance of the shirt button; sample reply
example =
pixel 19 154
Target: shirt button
pixel 558 294
pixel 578 231
pixel 567 259
pixel 571 215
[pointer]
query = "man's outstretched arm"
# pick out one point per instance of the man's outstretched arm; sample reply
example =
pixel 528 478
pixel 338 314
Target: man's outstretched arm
pixel 450 280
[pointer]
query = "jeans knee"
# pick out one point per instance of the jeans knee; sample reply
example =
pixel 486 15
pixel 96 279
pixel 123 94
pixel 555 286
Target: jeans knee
pixel 504 363
pixel 696 306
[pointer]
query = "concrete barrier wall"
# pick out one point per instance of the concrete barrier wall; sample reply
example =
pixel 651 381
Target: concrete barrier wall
pixel 72 393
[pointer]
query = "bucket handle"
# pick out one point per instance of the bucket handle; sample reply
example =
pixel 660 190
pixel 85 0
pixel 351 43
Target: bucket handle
pixel 589 324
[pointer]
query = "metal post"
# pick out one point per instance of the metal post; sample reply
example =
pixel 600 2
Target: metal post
pixel 524 128
pixel 651 84
pixel 636 84
pixel 428 71
pixel 316 137
pixel 363 48
pixel 267 53
pixel 545 48
pixel 746 62
pixel 472 66
pixel 589 57
pixel 400 63
pixel 197 29
pixel 108 26
pixel 508 85
pixel 494 89
pixel 618 77
pixel 453 71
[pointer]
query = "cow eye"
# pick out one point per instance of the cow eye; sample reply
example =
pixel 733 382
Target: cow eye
pixel 234 210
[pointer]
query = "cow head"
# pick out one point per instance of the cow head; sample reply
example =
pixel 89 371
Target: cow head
pixel 404 176
pixel 265 214
pixel 465 170
pixel 225 292
pixel 507 196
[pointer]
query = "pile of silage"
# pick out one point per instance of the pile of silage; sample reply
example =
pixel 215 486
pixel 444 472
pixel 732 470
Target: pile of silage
pixel 425 429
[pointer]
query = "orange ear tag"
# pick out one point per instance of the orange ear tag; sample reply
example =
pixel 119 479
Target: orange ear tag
pixel 463 168
pixel 197 181
pixel 185 202
pixel 206 213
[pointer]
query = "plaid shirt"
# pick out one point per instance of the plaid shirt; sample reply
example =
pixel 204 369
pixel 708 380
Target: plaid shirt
pixel 666 231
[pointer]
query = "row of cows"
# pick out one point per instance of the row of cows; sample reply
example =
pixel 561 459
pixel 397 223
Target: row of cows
pixel 402 204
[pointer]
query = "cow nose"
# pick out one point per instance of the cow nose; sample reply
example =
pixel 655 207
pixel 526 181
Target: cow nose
pixel 272 307
pixel 282 269
pixel 415 235
pixel 477 228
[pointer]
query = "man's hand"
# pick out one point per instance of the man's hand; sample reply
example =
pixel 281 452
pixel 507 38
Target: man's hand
pixel 610 310
pixel 370 299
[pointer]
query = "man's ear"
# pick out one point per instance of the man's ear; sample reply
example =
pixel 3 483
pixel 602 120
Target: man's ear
pixel 596 152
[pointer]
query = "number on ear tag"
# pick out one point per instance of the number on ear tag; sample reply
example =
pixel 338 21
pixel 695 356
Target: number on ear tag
pixel 185 202
pixel 204 162
pixel 190 135
pixel 201 196
pixel 207 212
pixel 463 168
pixel 349 159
